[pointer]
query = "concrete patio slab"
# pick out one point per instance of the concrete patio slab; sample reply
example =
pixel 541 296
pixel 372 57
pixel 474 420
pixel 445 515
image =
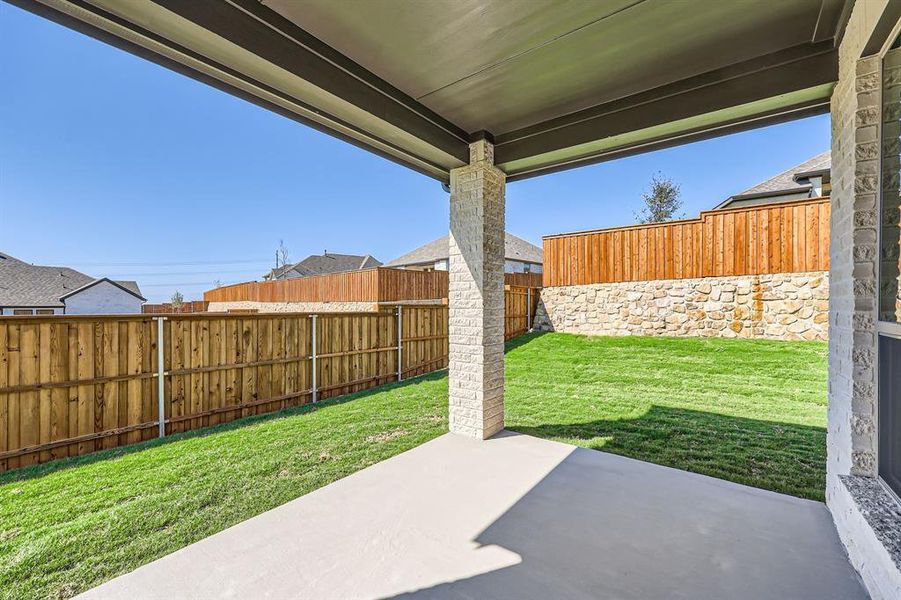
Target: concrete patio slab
pixel 514 517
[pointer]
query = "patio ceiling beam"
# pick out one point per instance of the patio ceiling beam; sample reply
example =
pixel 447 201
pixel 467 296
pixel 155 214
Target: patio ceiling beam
pixel 782 86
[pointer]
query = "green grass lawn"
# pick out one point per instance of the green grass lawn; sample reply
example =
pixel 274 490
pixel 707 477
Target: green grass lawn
pixel 748 411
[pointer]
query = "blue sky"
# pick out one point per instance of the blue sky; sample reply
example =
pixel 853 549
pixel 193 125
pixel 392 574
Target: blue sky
pixel 118 167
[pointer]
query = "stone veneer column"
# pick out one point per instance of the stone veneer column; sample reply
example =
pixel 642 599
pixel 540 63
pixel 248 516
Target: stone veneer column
pixel 476 296
pixel 866 517
pixel 852 338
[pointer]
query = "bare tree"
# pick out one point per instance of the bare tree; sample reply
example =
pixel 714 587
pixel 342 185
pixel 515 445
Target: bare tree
pixel 281 255
pixel 217 283
pixel 662 202
pixel 177 300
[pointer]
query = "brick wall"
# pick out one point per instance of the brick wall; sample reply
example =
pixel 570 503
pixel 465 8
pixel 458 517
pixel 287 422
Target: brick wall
pixel 865 517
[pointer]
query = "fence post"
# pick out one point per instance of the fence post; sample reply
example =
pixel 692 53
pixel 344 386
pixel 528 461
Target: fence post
pixel 400 342
pixel 313 346
pixel 160 375
pixel 528 309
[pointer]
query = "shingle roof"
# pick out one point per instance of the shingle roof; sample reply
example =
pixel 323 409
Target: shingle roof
pixel 786 182
pixel 514 249
pixel 24 284
pixel 321 264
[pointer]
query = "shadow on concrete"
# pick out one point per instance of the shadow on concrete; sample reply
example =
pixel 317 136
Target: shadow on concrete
pixel 604 526
pixel 782 457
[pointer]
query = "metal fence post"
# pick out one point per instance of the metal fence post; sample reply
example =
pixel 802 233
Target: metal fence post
pixel 160 375
pixel 400 342
pixel 528 309
pixel 313 345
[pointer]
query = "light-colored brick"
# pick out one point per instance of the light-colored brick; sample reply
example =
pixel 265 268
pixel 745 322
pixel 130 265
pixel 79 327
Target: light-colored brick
pixel 476 296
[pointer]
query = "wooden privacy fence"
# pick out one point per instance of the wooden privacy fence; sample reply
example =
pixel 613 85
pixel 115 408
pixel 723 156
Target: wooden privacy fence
pixel 791 237
pixel 381 284
pixel 520 304
pixel 70 385
pixel 191 306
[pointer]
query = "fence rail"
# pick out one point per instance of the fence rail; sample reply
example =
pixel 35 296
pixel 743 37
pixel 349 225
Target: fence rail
pixel 381 284
pixel 70 385
pixel 789 237
pixel 191 306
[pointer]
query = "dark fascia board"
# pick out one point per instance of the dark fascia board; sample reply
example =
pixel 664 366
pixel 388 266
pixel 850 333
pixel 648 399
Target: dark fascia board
pixel 455 141
pixel 809 174
pixel 101 280
pixel 755 195
pixel 31 306
pixel 796 68
pixel 787 114
pixel 276 39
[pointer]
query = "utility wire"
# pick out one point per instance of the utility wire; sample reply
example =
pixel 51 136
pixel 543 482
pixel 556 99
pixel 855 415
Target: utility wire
pixel 172 264
pixel 170 273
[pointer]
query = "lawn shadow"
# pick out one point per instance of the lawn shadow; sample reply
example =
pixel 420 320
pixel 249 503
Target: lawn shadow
pixel 40 470
pixel 782 457
pixel 523 339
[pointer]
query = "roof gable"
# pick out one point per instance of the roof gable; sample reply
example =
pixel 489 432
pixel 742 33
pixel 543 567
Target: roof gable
pixel 323 264
pixel 515 248
pixel 129 287
pixel 24 284
pixel 788 180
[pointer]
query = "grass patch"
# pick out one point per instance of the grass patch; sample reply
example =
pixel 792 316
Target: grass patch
pixel 70 525
pixel 751 411
pixel 748 411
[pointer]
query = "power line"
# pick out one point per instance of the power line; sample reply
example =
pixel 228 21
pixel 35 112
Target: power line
pixel 182 284
pixel 172 264
pixel 167 273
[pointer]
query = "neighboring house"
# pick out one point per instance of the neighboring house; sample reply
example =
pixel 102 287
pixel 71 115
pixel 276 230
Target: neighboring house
pixel 810 179
pixel 27 289
pixel 520 256
pixel 323 264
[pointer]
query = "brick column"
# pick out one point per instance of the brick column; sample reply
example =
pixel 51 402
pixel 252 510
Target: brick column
pixel 476 296
pixel 852 305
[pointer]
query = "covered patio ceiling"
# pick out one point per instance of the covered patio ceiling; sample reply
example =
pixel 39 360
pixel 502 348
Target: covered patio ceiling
pixel 555 84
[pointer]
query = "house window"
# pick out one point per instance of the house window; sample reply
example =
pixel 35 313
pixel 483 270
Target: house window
pixel 44 311
pixel 889 289
pixel 22 311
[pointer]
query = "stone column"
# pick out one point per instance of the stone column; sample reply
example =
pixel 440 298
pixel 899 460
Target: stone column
pixel 852 305
pixel 476 296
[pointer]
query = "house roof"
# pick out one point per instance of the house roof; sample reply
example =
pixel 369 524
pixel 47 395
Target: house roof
pixel 322 264
pixel 514 249
pixel 791 180
pixel 24 284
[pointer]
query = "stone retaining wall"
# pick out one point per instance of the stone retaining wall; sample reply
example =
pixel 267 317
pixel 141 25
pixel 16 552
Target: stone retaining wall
pixel 789 306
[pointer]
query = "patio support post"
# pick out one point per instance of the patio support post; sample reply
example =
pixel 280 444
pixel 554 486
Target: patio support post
pixel 476 295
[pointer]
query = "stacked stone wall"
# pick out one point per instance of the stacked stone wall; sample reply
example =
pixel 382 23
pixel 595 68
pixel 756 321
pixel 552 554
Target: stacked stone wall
pixel 788 306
